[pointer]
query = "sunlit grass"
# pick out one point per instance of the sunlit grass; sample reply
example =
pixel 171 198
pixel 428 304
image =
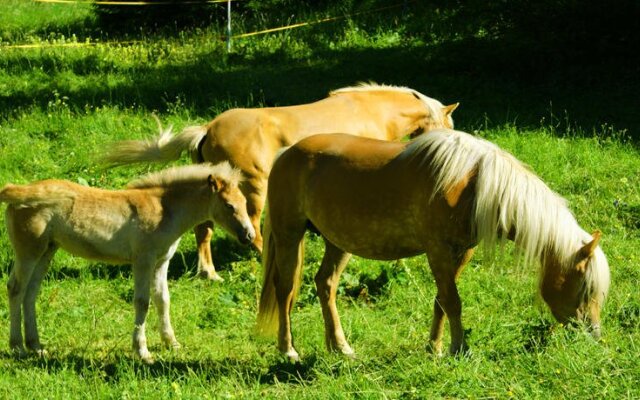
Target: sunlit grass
pixel 60 108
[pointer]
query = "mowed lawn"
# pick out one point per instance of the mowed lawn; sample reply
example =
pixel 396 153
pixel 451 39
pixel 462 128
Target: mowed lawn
pixel 62 106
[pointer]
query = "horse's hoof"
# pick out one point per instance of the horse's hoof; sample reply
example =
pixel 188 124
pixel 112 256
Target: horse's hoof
pixel 171 343
pixel 146 357
pixel 292 356
pixel 210 275
pixel 435 349
pixel 460 351
pixel 19 352
pixel 346 351
pixel 41 353
pixel 351 355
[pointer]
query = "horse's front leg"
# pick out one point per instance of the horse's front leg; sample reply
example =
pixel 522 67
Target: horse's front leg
pixel 161 300
pixel 327 279
pixel 254 190
pixel 437 328
pixel 142 273
pixel 206 269
pixel 446 262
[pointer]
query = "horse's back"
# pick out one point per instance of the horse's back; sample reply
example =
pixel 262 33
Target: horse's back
pixel 250 137
pixel 88 222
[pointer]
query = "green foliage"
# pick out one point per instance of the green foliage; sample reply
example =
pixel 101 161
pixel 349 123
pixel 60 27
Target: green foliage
pixel 577 128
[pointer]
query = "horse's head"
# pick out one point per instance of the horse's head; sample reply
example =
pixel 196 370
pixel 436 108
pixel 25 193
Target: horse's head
pixel 576 292
pixel 434 116
pixel 229 208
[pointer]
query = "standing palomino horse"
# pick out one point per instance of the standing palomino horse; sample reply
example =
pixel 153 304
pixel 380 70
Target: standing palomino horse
pixel 141 225
pixel 440 194
pixel 250 138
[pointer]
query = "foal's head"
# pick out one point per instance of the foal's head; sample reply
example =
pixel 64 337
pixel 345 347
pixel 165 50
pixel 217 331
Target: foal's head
pixel 576 292
pixel 229 207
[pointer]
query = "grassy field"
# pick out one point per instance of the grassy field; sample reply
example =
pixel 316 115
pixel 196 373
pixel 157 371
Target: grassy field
pixel 61 106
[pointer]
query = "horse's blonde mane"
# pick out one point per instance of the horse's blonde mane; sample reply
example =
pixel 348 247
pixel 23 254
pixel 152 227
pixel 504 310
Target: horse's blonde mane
pixel 187 174
pixel 509 197
pixel 370 87
pixel 434 106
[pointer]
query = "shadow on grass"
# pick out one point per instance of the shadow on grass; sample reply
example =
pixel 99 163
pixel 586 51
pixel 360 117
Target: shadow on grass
pixel 113 371
pixel 536 336
pixel 497 81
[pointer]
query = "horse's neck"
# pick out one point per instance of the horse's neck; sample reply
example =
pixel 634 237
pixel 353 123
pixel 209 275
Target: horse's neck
pixel 185 207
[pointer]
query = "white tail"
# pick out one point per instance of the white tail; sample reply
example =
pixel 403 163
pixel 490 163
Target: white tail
pixel 165 147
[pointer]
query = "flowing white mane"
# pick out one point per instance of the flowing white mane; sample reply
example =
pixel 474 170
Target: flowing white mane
pixel 434 106
pixel 187 174
pixel 509 198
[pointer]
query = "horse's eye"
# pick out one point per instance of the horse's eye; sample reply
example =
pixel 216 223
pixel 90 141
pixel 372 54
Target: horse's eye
pixel 230 206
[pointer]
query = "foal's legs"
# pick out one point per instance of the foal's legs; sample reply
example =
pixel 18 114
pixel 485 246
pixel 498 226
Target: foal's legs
pixel 327 279
pixel 446 262
pixel 32 338
pixel 16 289
pixel 142 272
pixel 161 300
pixel 27 258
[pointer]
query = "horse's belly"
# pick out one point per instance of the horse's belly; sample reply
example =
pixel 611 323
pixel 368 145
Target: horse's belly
pixel 107 251
pixel 95 243
pixel 375 238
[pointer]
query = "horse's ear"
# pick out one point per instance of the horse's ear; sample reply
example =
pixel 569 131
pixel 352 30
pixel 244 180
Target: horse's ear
pixel 215 183
pixel 450 108
pixel 588 249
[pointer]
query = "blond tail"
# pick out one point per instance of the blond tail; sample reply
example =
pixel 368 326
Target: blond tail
pixel 166 147
pixel 36 194
pixel 268 314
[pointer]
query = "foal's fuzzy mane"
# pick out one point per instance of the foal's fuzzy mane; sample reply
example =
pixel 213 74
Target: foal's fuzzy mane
pixel 188 174
pixel 434 106
pixel 508 196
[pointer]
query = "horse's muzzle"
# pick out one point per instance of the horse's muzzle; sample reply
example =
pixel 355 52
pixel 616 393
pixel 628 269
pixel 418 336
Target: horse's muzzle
pixel 247 235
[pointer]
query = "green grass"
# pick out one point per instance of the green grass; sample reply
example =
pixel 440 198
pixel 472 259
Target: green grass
pixel 61 107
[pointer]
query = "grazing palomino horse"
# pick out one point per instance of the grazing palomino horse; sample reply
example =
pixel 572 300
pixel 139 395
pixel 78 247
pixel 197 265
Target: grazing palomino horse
pixel 250 138
pixel 439 194
pixel 140 225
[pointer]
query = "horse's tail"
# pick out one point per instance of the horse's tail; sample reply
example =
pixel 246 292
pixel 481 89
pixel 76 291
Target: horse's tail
pixel 8 194
pixel 34 195
pixel 268 313
pixel 165 147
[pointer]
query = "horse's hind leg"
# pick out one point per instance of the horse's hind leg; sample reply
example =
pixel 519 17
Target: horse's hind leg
pixel 289 260
pixel 161 300
pixel 327 279
pixel 446 263
pixel 32 338
pixel 19 279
